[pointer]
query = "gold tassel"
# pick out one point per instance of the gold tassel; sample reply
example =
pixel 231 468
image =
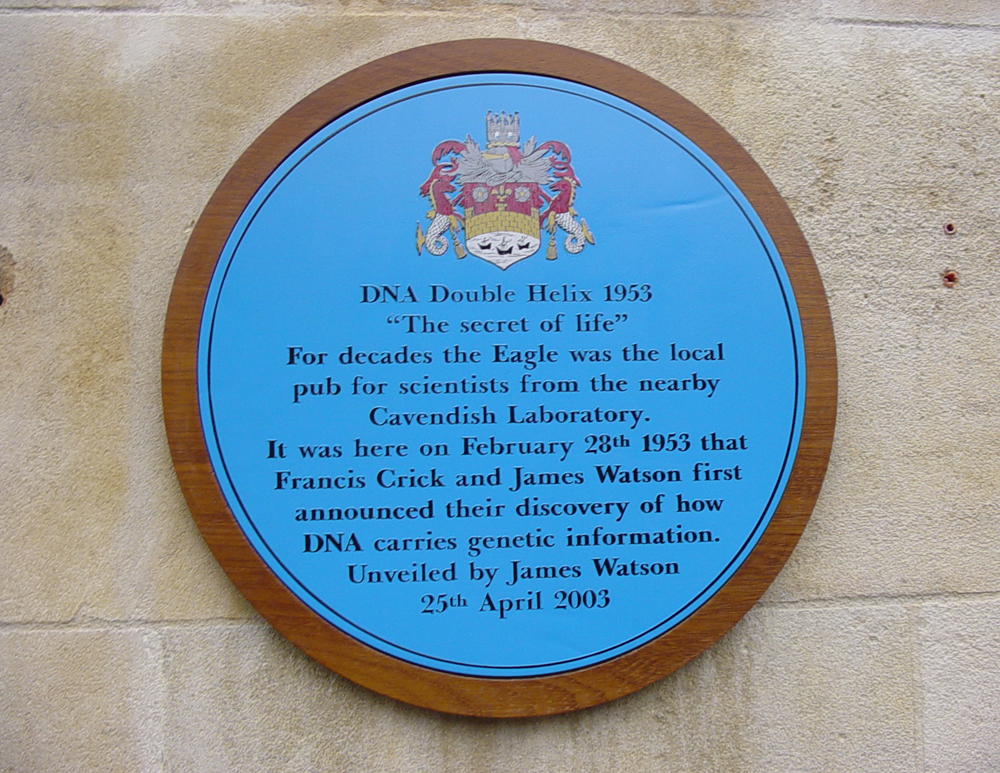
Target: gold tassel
pixel 459 249
pixel 551 254
pixel 420 238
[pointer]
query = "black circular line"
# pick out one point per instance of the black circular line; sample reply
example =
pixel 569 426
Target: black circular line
pixel 755 532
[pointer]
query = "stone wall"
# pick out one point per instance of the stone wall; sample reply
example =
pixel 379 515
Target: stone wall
pixel 123 646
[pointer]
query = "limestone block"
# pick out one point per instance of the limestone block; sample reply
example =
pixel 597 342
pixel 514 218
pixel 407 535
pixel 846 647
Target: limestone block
pixel 84 5
pixel 916 408
pixel 242 697
pixel 828 689
pixel 786 689
pixel 91 495
pixel 80 699
pixel 959 671
pixel 977 12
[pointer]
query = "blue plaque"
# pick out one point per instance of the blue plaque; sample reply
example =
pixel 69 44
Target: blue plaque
pixel 501 375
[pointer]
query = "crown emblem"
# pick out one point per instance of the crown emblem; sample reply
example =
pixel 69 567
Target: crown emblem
pixel 508 194
pixel 503 130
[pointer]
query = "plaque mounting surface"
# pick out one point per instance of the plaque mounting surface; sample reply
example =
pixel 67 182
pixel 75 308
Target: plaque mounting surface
pixel 499 378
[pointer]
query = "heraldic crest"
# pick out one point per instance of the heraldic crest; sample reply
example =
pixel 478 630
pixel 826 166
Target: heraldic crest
pixel 508 194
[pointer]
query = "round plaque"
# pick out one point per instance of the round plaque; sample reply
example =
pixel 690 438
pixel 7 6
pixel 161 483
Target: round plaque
pixel 499 378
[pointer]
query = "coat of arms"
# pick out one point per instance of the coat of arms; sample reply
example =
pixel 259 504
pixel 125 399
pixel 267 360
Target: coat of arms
pixel 508 195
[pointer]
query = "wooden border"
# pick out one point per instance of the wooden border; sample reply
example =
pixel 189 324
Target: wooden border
pixel 518 697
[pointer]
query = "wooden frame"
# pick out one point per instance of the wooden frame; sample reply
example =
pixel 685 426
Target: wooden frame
pixel 509 697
